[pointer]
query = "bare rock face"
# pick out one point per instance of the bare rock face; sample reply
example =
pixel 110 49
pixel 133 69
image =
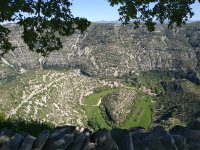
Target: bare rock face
pixel 107 50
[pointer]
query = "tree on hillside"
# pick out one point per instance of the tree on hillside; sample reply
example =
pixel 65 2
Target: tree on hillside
pixel 45 21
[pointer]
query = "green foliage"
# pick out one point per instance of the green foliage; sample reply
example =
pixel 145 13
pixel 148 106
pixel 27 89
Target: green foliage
pixel 149 11
pixel 94 124
pixel 153 79
pixel 43 22
pixel 32 127
pixel 180 101
pixel 141 114
pixel 131 79
pixel 93 112
pixel 101 89
pixel 5 45
pixel 2 116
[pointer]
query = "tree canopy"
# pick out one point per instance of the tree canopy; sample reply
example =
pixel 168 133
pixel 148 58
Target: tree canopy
pixel 44 22
pixel 175 12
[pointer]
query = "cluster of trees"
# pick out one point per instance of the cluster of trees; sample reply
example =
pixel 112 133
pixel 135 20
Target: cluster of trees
pixel 101 89
pixel 45 21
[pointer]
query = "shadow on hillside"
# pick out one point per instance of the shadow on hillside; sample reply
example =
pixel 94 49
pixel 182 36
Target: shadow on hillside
pixel 32 127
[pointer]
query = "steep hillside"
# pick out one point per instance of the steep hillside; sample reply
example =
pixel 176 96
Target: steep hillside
pixel 47 95
pixel 107 50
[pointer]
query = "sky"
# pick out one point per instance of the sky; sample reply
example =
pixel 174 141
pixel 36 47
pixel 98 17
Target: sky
pixel 100 10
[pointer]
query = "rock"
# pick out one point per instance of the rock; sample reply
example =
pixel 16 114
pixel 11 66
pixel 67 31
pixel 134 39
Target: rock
pixel 103 140
pixel 27 143
pixel 138 144
pixel 140 133
pixel 5 135
pixel 60 138
pixel 154 144
pixel 15 141
pixel 180 142
pixel 91 146
pixel 63 129
pixel 80 141
pixel 86 141
pixel 123 139
pixel 159 139
pixel 136 129
pixel 41 140
pixel 195 124
pixel 194 146
pixel 5 138
pixel 192 136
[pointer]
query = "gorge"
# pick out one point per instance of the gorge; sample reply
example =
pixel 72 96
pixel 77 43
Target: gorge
pixel 113 64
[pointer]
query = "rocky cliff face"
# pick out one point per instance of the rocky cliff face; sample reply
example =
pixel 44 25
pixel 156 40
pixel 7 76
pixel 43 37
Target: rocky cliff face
pixel 107 50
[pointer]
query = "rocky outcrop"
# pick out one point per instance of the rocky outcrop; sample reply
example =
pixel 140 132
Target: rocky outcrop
pixel 137 138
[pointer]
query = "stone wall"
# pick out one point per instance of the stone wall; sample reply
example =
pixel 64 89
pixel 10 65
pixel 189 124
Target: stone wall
pixel 137 138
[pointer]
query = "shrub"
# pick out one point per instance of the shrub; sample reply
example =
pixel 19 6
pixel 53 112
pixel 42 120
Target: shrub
pixel 93 124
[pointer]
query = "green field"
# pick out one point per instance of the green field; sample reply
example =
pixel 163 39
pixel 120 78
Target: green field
pixel 141 116
pixel 93 112
pixel 142 113
pixel 93 99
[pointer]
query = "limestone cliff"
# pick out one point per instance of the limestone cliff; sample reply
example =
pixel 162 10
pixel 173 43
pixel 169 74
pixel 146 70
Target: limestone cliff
pixel 107 50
